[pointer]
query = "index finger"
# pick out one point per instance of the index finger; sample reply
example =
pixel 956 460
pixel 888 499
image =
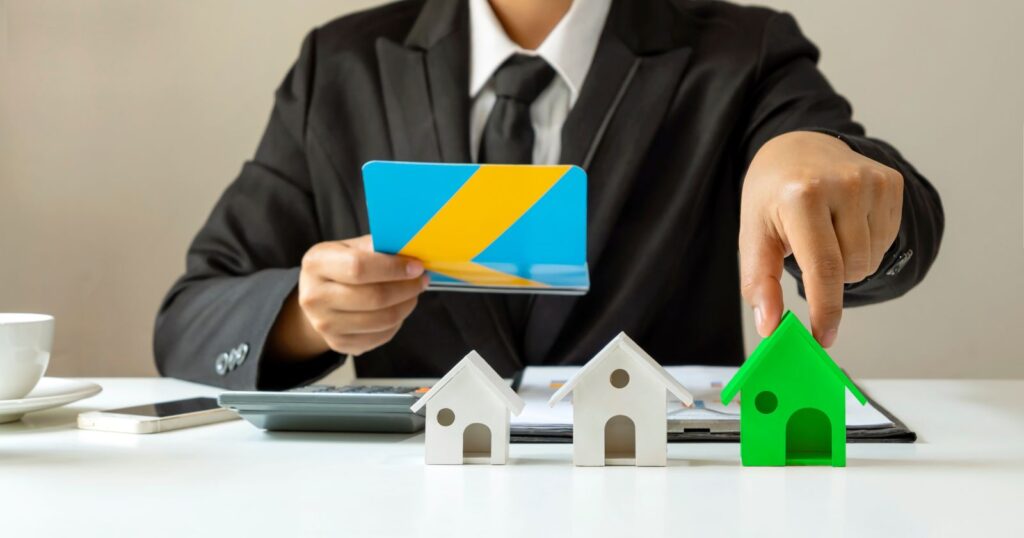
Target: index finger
pixel 816 249
pixel 354 262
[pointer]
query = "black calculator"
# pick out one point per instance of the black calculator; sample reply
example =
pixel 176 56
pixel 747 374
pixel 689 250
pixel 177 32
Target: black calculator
pixel 348 408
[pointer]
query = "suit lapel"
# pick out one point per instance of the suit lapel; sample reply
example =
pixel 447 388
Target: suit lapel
pixel 407 100
pixel 426 86
pixel 634 75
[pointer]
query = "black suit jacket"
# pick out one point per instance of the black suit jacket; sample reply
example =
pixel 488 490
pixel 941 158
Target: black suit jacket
pixel 680 96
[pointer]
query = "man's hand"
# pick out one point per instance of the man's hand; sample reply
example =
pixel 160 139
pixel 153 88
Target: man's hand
pixel 838 212
pixel 350 299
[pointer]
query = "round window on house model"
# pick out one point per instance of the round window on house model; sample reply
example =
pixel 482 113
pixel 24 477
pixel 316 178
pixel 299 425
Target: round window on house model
pixel 619 378
pixel 766 402
pixel 446 417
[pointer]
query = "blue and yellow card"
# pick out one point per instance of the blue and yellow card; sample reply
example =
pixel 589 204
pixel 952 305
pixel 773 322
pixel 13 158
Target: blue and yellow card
pixel 484 227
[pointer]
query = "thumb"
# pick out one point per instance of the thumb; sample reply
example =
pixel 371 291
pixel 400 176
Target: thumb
pixel 761 258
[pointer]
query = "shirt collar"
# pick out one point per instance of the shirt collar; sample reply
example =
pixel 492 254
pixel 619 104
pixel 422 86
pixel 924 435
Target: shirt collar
pixel 569 48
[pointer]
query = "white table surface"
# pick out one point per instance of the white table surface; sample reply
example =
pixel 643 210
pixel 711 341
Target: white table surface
pixel 964 477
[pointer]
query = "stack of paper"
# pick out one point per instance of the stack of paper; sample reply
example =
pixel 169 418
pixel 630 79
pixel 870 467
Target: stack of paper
pixel 707 420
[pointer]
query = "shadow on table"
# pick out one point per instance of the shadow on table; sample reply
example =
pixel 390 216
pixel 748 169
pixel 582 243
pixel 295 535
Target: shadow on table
pixel 937 464
pixel 904 457
pixel 868 463
pixel 702 462
pixel 339 437
pixel 61 418
pixel 542 460
pixel 16 458
pixel 566 459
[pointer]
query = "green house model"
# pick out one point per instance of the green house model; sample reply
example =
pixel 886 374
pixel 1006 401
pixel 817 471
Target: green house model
pixel 793 410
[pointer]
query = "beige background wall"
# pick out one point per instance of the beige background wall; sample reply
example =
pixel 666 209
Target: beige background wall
pixel 122 121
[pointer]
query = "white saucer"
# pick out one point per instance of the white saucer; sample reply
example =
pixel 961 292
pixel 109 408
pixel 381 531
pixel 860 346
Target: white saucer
pixel 50 392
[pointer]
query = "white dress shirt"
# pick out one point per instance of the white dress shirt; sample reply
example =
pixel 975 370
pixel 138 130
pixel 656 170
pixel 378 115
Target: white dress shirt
pixel 569 49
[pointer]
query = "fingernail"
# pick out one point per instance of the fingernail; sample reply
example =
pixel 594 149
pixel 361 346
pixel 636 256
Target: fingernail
pixel 414 268
pixel 829 338
pixel 759 320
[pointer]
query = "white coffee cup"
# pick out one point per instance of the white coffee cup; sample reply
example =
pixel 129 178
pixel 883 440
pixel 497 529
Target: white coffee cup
pixel 25 344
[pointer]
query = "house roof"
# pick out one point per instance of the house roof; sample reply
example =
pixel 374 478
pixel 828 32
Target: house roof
pixel 789 327
pixel 623 342
pixel 474 364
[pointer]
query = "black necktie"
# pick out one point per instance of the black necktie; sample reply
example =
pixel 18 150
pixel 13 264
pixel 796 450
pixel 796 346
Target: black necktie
pixel 508 133
pixel 508 138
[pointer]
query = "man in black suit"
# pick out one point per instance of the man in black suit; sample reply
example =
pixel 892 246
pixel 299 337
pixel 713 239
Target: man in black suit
pixel 698 123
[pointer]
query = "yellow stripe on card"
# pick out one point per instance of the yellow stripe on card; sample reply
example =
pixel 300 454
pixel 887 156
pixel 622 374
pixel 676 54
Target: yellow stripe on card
pixel 490 201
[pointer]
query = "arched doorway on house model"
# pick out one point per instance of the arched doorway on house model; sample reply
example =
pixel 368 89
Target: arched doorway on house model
pixel 620 441
pixel 808 438
pixel 476 444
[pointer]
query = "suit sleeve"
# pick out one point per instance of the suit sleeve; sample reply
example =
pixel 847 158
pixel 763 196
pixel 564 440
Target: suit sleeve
pixel 791 94
pixel 213 325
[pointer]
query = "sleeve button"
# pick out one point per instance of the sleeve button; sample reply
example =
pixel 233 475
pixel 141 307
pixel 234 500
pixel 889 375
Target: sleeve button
pixel 221 364
pixel 900 263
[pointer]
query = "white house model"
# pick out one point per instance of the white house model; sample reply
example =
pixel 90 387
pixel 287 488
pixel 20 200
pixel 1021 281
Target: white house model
pixel 619 409
pixel 468 414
